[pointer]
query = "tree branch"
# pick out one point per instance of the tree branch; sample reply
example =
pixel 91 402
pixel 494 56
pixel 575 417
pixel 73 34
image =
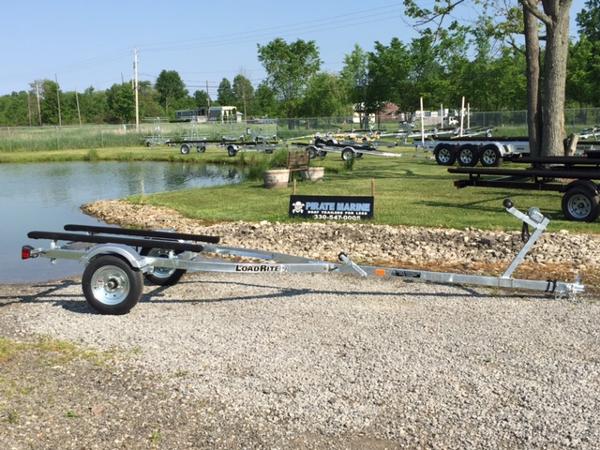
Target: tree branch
pixel 531 6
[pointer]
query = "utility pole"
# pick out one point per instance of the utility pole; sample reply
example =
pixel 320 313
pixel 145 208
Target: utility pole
pixel 29 108
pixel 136 89
pixel 244 97
pixel 207 95
pixel 58 100
pixel 37 92
pixel 78 110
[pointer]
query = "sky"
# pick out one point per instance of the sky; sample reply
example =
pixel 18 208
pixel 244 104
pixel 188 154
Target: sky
pixel 90 43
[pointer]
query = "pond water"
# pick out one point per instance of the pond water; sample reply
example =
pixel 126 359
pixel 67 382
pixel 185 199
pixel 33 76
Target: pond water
pixel 46 196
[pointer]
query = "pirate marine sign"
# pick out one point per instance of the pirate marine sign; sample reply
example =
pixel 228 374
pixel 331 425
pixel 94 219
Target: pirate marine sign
pixel 321 207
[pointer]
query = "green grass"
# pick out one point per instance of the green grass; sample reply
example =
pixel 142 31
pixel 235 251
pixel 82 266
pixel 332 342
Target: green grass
pixel 61 351
pixel 409 191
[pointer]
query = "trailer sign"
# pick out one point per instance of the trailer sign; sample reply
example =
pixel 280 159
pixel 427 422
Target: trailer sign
pixel 322 207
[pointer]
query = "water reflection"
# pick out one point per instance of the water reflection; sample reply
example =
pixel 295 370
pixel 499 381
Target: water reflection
pixel 46 196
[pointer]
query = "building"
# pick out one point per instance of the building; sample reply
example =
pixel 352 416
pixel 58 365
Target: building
pixel 213 114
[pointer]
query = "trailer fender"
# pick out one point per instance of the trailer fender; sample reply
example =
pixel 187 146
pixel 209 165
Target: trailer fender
pixel 126 253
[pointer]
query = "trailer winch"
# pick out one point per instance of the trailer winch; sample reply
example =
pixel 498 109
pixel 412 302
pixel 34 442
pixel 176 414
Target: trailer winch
pixel 118 259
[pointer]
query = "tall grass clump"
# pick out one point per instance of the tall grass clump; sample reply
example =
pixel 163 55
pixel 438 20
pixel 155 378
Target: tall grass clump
pixel 91 155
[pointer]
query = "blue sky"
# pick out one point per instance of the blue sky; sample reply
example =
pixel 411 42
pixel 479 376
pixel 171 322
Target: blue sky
pixel 89 43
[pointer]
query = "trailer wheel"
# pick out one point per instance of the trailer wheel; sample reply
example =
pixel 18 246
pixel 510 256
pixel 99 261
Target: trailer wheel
pixel 312 151
pixel 444 154
pixel 111 285
pixel 231 150
pixel 347 153
pixel 201 148
pixel 468 155
pixel 161 276
pixel 184 149
pixel 581 203
pixel 490 156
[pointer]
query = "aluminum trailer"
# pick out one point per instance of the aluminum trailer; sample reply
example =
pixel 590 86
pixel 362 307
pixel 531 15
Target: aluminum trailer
pixel 581 193
pixel 347 151
pixel 117 260
pixel 469 150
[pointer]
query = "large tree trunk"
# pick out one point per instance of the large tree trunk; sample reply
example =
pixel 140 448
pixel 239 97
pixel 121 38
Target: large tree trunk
pixel 555 75
pixel 532 55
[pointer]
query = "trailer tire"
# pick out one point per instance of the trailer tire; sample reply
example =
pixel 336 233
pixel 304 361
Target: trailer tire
pixel 581 202
pixel 348 154
pixel 312 151
pixel 111 286
pixel 444 154
pixel 184 149
pixel 468 155
pixel 231 150
pixel 490 156
pixel 161 277
pixel 201 148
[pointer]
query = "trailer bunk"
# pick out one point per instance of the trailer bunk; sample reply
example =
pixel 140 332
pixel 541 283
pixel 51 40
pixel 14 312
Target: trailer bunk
pixel 117 260
pixel 573 176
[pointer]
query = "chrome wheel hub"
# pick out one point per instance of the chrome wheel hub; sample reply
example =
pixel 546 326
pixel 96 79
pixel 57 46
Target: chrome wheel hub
pixel 110 285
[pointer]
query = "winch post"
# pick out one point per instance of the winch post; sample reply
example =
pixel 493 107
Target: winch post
pixel 346 260
pixel 534 218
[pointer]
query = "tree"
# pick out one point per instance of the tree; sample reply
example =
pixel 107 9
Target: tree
pixel 355 76
pixel 546 84
pixel 265 101
pixel 389 69
pixel 170 88
pixel 289 67
pixel 243 94
pixel 201 99
pixel 225 95
pixel 325 97
pixel 148 99
pixel 121 103
pixel 584 58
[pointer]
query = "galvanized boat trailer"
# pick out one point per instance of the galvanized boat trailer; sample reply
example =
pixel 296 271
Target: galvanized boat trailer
pixel 117 260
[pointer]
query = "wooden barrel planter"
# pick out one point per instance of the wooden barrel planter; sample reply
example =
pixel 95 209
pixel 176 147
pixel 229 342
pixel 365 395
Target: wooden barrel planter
pixel 276 178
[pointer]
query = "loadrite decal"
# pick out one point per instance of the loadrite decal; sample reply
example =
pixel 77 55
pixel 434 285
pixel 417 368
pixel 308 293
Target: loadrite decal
pixel 259 268
pixel 331 207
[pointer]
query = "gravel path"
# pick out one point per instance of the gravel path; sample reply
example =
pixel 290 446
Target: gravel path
pixel 338 362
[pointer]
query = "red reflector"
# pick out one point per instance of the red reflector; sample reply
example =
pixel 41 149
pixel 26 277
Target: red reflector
pixel 26 251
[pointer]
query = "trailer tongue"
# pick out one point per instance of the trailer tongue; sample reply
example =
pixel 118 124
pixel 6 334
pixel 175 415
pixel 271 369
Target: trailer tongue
pixel 116 263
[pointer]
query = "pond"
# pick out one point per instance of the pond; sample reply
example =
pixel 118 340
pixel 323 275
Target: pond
pixel 46 196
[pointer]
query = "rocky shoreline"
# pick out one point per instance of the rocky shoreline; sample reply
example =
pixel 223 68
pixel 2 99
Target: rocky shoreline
pixel 471 249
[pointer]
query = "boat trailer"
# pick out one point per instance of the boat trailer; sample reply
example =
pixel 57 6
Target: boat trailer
pixel 118 259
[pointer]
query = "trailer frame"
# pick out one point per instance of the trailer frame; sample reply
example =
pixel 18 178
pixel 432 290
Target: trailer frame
pixel 115 265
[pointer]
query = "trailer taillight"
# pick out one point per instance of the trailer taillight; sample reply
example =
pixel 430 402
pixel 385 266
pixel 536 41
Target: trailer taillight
pixel 26 251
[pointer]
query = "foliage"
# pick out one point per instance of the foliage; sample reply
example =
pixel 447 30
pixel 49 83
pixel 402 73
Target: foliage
pixel 121 103
pixel 265 101
pixel 201 99
pixel 170 87
pixel 225 93
pixel 289 68
pixel 243 95
pixel 325 96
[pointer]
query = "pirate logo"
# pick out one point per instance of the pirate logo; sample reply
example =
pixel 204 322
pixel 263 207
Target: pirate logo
pixel 297 207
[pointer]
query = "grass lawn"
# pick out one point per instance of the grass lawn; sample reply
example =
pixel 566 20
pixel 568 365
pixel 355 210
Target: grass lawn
pixel 409 191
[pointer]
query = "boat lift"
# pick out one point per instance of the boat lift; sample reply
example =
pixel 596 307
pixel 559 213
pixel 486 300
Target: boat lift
pixel 118 259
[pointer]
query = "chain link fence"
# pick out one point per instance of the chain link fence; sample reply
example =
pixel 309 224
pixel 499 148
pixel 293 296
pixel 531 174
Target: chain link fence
pixel 505 123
